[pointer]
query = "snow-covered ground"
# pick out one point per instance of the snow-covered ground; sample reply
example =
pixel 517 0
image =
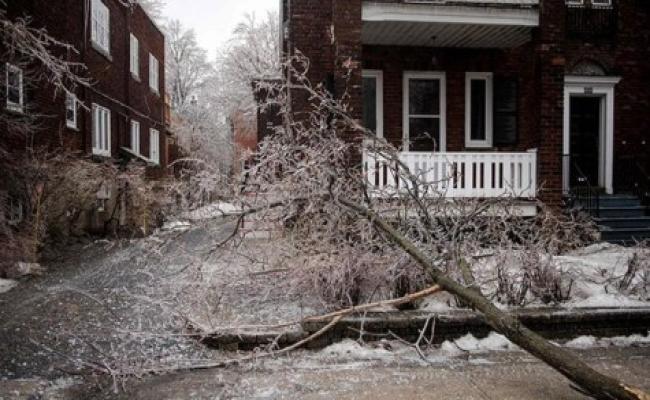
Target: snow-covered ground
pixel 7 284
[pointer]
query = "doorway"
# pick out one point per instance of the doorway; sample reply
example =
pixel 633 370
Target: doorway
pixel 589 130
pixel 585 139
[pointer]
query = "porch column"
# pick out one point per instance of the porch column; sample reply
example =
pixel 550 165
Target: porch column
pixel 347 53
pixel 551 58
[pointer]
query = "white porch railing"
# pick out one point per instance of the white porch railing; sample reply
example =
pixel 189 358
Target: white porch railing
pixel 454 175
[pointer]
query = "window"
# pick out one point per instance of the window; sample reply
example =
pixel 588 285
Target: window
pixel 601 3
pixel 15 210
pixel 135 56
pixel 478 109
pixel 575 2
pixel 424 111
pixel 15 90
pixel 70 111
pixel 101 26
pixel 505 111
pixel 154 146
pixel 101 131
pixel 135 137
pixel 154 82
pixel 373 102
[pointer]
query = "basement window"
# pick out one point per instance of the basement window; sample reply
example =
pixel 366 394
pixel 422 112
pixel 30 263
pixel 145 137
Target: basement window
pixel 15 89
pixel 70 111
pixel 15 211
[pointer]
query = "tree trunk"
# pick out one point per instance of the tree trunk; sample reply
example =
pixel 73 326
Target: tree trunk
pixel 564 361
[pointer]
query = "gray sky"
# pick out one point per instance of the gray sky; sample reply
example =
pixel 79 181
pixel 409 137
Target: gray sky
pixel 214 20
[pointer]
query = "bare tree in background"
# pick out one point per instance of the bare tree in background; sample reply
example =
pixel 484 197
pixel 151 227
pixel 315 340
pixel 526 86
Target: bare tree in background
pixel 252 53
pixel 154 8
pixel 187 65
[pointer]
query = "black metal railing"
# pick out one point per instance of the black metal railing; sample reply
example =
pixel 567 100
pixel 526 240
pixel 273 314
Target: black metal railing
pixel 591 21
pixel 632 176
pixel 582 192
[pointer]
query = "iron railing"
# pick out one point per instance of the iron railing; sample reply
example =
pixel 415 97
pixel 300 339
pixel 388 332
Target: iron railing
pixel 591 21
pixel 633 177
pixel 581 190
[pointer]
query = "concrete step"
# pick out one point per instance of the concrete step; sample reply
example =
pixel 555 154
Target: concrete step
pixel 628 222
pixel 624 235
pixel 619 212
pixel 619 201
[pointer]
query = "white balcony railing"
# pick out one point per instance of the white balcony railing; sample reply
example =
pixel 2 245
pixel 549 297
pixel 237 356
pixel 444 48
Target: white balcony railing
pixel 454 175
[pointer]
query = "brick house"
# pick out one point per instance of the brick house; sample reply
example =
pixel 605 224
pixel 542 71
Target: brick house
pixel 124 112
pixel 540 96
pixel 124 52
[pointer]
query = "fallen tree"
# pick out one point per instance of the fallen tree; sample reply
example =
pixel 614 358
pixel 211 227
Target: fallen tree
pixel 304 172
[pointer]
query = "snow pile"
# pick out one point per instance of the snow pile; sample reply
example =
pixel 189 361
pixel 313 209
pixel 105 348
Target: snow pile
pixel 176 226
pixel 348 349
pixel 6 285
pixel 597 276
pixel 213 210
pixel 586 342
pixel 469 343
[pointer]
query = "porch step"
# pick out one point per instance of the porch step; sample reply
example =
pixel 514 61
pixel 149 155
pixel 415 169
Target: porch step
pixel 621 219
pixel 622 223
pixel 618 212
pixel 625 236
pixel 618 201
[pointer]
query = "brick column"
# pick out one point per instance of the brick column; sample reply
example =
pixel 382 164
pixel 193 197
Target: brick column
pixel 551 58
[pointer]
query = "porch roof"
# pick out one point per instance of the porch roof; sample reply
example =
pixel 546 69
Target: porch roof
pixel 457 23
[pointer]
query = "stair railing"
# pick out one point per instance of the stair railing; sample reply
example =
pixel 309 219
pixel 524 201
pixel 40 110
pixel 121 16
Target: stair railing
pixel 582 191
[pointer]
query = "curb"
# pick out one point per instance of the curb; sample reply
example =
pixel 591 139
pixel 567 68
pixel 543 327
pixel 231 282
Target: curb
pixel 449 325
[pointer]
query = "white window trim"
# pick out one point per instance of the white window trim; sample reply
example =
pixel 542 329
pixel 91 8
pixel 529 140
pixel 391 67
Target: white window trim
pixel 18 107
pixel 441 76
pixel 74 123
pixel 154 74
pixel 135 137
pixel 379 79
pixel 97 137
pixel 135 56
pixel 100 14
pixel 155 158
pixel 488 77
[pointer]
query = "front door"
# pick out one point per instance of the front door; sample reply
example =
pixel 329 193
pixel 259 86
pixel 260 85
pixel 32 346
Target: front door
pixel 585 136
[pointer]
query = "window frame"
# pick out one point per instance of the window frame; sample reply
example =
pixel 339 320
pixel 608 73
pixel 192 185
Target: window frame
pixel 154 132
pixel 10 105
pixel 134 58
pixel 154 74
pixel 15 211
pixel 488 78
pixel 100 16
pixel 74 123
pixel 134 143
pixel 378 75
pixel 441 76
pixel 101 116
